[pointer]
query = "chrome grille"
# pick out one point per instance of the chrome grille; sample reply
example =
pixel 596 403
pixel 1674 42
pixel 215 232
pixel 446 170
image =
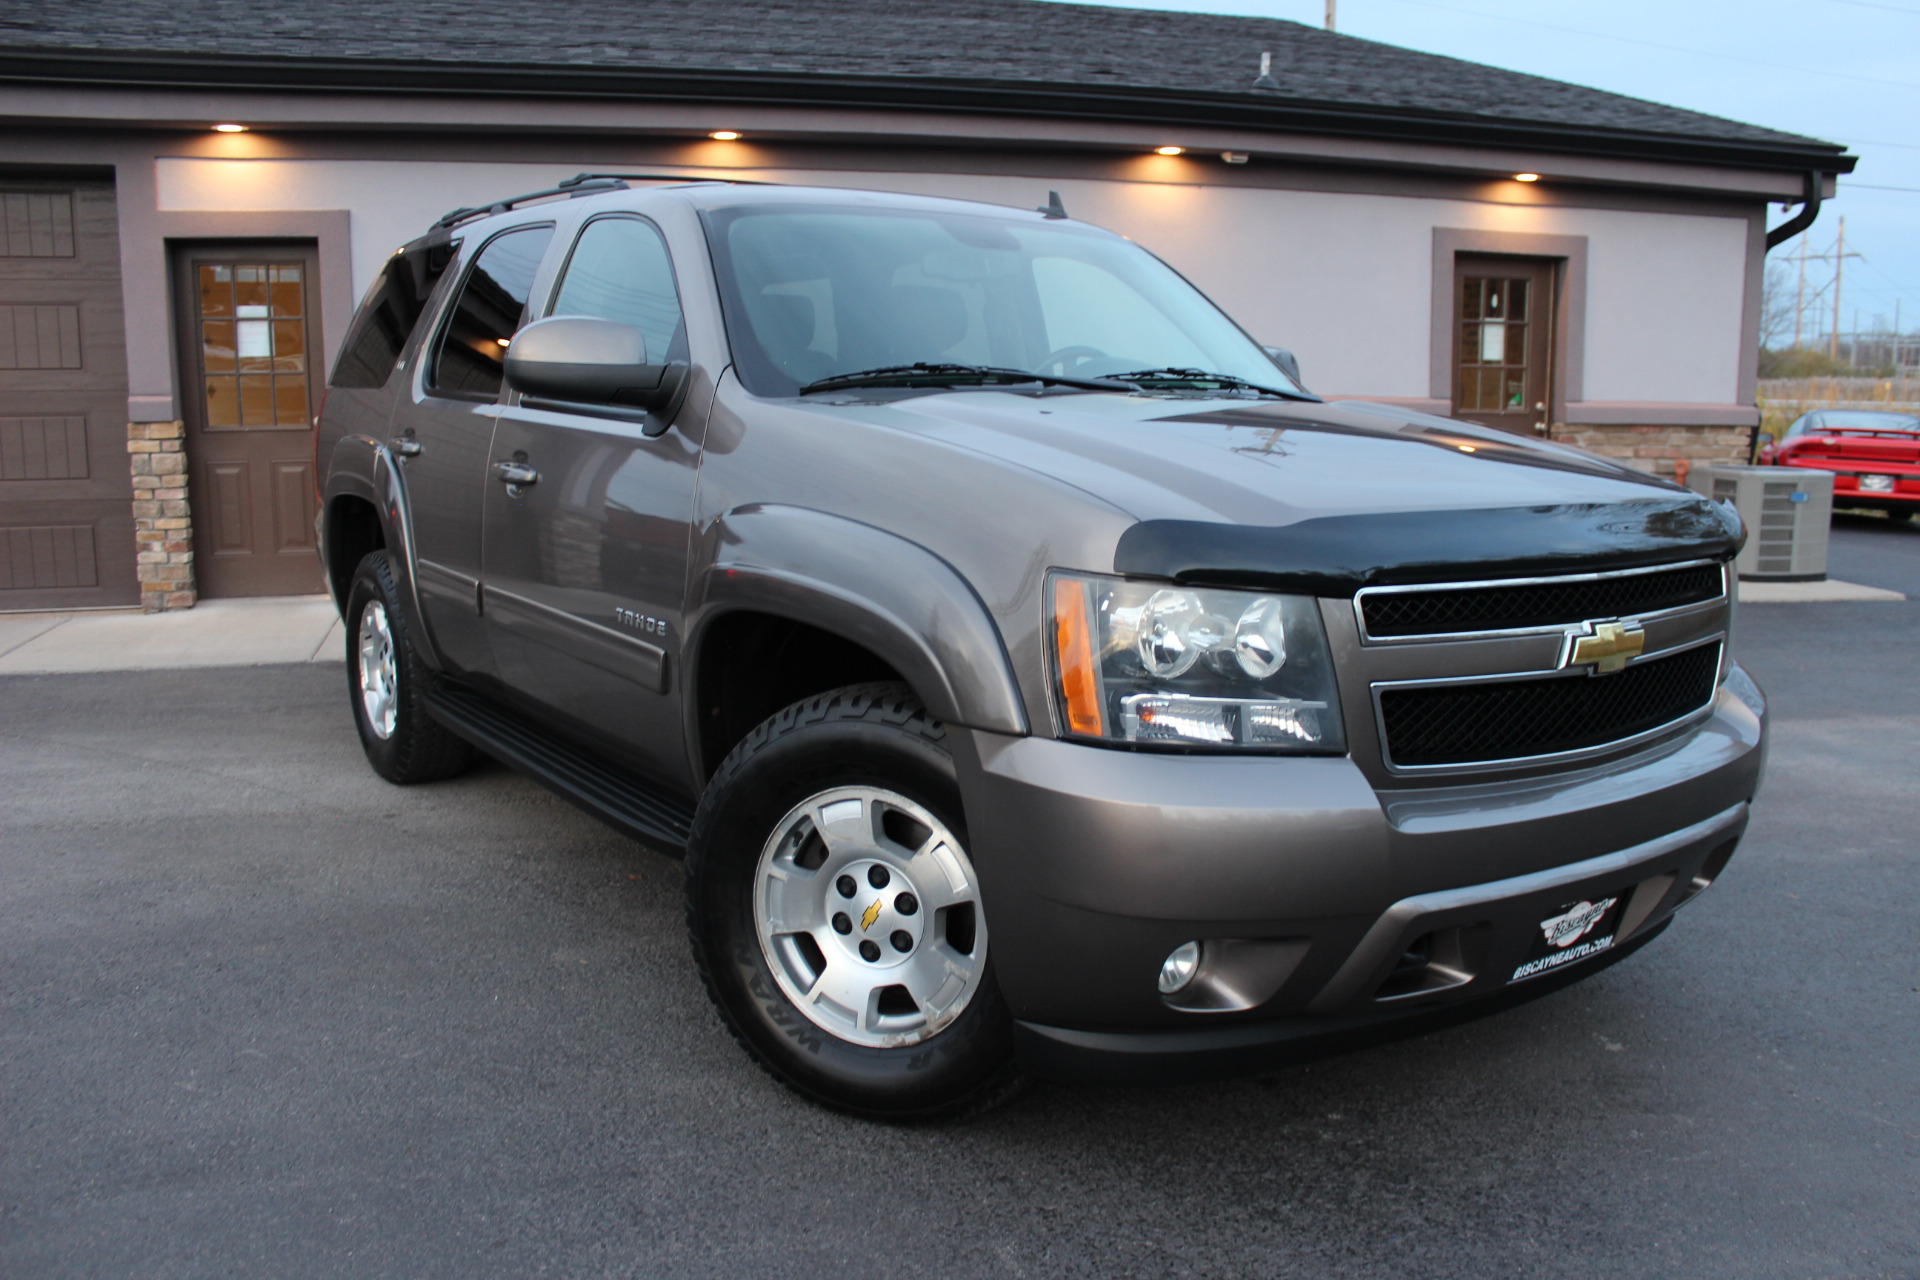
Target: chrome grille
pixel 1396 613
pixel 1492 721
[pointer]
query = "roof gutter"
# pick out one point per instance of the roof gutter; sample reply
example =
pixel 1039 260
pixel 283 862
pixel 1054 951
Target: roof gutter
pixel 1809 210
pixel 1260 110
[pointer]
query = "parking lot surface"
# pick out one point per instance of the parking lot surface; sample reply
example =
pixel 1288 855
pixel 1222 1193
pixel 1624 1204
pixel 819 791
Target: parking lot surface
pixel 263 1014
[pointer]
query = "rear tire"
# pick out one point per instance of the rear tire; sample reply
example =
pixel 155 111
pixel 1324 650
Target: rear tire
pixel 834 913
pixel 387 683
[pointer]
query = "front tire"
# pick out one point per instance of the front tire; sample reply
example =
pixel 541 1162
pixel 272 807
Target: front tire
pixel 835 916
pixel 387 683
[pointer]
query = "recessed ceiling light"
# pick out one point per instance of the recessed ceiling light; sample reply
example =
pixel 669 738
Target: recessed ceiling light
pixel 1169 151
pixel 229 128
pixel 724 135
pixel 1526 177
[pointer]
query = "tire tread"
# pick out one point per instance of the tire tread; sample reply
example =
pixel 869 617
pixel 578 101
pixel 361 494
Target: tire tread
pixel 884 703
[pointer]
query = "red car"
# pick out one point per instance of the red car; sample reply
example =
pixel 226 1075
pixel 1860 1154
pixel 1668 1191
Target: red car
pixel 1874 455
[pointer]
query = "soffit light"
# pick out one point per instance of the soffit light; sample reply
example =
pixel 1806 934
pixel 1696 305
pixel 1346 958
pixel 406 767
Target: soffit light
pixel 1169 151
pixel 229 128
pixel 1526 177
pixel 724 135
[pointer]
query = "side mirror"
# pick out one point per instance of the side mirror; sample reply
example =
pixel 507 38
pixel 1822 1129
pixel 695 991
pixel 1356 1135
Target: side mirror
pixel 586 360
pixel 1287 363
pixel 1764 438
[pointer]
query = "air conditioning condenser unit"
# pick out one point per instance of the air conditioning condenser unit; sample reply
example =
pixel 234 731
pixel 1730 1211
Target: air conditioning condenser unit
pixel 1787 511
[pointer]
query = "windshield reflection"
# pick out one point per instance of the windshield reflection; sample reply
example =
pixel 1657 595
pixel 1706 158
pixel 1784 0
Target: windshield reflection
pixel 820 292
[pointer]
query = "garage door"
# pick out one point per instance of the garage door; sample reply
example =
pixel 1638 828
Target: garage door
pixel 66 515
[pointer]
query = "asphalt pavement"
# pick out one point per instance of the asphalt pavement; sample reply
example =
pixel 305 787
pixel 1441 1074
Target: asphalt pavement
pixel 262 1014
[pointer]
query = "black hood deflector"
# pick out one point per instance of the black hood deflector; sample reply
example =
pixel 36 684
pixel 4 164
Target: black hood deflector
pixel 1338 555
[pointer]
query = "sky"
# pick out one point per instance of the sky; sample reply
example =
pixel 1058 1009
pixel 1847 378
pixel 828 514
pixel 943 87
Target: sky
pixel 1846 71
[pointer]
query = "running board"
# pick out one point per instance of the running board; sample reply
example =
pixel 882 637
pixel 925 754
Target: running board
pixel 624 802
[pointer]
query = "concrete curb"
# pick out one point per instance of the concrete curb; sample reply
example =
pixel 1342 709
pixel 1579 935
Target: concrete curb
pixel 214 633
pixel 1825 592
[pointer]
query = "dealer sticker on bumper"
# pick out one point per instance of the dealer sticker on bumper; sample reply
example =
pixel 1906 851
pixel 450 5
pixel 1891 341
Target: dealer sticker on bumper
pixel 1575 932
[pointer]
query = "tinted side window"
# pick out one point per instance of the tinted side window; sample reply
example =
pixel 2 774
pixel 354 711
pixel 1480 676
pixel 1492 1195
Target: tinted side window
pixel 620 271
pixel 492 302
pixel 386 319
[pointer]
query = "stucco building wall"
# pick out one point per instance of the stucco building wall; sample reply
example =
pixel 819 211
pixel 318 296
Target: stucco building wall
pixel 1345 279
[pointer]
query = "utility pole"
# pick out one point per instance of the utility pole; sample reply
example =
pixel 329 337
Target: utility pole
pixel 1839 260
pixel 1331 6
pixel 1800 299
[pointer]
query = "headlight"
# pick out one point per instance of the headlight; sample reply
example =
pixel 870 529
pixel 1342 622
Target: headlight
pixel 1183 666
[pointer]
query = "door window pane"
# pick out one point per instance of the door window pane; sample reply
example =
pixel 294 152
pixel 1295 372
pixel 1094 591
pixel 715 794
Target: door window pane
pixel 216 291
pixel 253 322
pixel 1493 342
pixel 620 271
pixel 492 303
pixel 256 401
pixel 1494 335
pixel 250 286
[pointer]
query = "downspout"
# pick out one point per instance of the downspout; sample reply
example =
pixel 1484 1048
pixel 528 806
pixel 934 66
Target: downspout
pixel 1809 210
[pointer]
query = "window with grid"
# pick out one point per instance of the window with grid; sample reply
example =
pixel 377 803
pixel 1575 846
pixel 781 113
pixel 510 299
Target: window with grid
pixel 1493 343
pixel 253 344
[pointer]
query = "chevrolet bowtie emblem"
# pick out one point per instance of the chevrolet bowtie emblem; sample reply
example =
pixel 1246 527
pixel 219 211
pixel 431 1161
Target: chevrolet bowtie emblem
pixel 872 914
pixel 1608 649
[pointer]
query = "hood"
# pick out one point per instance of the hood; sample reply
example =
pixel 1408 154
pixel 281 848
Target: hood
pixel 1324 498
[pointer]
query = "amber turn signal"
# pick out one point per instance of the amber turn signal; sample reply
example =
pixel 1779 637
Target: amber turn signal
pixel 1073 642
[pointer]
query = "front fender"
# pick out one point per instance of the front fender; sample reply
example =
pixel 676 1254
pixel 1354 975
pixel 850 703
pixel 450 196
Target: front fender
pixel 871 587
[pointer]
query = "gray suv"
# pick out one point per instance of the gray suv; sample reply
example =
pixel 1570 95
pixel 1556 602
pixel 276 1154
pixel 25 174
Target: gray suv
pixel 1035 676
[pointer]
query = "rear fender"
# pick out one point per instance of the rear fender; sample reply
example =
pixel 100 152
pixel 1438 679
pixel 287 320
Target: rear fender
pixel 366 468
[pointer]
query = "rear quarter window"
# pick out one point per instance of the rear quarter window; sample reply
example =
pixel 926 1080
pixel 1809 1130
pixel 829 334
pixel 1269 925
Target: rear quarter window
pixel 385 321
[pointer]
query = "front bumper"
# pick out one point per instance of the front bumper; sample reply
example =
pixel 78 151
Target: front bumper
pixel 1309 888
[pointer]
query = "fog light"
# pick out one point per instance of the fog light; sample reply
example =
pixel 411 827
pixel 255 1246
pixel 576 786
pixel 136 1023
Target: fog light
pixel 1177 970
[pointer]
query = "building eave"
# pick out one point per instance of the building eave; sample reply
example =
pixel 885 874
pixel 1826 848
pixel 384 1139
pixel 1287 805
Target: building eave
pixel 1258 110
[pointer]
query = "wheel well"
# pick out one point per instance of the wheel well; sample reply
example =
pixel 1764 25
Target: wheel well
pixel 753 664
pixel 353 530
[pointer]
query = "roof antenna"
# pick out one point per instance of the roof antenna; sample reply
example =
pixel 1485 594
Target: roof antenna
pixel 1266 80
pixel 1053 208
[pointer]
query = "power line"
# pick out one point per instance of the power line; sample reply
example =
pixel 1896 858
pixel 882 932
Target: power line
pixel 1669 48
pixel 1890 8
pixel 1874 186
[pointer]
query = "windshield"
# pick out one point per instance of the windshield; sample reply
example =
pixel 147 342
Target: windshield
pixel 814 292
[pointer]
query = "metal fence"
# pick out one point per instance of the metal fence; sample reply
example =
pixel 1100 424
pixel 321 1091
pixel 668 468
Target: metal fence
pixel 1784 399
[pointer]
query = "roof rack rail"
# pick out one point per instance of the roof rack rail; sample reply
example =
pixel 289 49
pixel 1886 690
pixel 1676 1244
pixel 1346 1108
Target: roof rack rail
pixel 577 186
pixel 579 178
pixel 580 184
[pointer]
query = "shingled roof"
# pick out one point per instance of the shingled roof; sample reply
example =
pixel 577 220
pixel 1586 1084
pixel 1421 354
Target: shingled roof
pixel 951 54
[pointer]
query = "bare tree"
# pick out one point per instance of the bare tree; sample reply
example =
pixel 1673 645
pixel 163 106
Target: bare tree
pixel 1776 307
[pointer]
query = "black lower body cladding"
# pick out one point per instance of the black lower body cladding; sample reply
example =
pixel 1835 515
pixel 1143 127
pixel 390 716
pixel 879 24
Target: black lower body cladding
pixel 1328 912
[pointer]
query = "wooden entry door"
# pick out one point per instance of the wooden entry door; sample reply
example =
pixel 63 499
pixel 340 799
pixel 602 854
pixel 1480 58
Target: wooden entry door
pixel 1503 342
pixel 249 343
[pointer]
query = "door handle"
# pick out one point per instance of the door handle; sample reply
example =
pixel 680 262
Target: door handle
pixel 515 473
pixel 404 447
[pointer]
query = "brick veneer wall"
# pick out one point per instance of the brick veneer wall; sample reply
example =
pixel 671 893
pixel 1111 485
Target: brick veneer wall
pixel 162 522
pixel 1656 448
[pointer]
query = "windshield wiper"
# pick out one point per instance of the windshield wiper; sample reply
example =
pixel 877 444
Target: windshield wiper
pixel 936 375
pixel 1146 378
